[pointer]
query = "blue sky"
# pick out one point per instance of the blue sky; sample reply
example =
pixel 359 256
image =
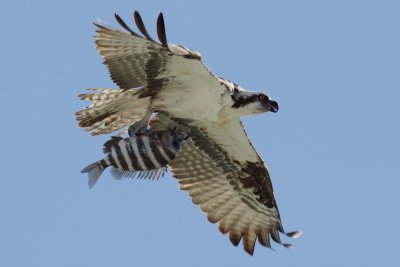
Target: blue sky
pixel 332 149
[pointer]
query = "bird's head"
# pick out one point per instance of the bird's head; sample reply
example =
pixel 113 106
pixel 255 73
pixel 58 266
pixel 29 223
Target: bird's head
pixel 253 103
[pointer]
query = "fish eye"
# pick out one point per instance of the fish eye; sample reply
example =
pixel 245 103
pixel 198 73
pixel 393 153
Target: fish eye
pixel 262 96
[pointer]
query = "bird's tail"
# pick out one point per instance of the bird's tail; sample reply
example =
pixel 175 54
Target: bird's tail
pixel 94 171
pixel 111 109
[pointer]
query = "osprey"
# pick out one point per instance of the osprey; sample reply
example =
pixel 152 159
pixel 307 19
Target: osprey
pixel 217 165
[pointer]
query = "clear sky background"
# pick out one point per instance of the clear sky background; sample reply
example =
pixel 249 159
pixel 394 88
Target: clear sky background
pixel 333 148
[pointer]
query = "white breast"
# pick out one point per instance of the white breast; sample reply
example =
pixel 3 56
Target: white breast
pixel 198 102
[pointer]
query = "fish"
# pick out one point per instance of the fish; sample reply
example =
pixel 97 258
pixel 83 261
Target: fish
pixel 144 156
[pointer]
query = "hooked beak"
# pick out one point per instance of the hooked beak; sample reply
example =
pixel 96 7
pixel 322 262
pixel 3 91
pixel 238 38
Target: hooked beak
pixel 273 106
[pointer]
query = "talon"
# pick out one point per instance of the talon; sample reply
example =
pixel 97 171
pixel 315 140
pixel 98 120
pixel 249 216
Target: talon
pixel 174 130
pixel 138 128
pixel 187 136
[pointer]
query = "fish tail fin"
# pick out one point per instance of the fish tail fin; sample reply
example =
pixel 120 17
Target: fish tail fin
pixel 94 171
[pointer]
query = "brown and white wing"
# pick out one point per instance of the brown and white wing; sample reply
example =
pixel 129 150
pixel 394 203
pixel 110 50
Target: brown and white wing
pixel 134 60
pixel 223 173
pixel 141 68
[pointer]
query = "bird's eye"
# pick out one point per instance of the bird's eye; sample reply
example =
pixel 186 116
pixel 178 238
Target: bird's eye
pixel 262 97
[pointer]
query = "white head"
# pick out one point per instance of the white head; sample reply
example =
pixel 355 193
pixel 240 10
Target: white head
pixel 248 103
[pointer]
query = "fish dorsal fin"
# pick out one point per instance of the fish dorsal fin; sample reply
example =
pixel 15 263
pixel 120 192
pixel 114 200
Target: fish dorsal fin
pixel 110 143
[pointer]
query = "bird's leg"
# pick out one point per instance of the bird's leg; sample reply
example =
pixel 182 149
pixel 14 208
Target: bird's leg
pixel 140 127
pixel 164 118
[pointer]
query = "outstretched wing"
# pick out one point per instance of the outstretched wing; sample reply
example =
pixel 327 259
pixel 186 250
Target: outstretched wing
pixel 135 60
pixel 223 173
pixel 141 68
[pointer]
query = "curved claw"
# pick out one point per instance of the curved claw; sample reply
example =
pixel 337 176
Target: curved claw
pixel 138 128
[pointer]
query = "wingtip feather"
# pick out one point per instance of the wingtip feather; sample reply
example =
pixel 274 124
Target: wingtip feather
pixel 249 242
pixel 124 25
pixel 162 36
pixel 294 234
pixel 140 25
pixel 235 238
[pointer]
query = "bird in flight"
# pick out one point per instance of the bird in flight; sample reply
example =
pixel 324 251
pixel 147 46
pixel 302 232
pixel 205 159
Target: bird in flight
pixel 217 165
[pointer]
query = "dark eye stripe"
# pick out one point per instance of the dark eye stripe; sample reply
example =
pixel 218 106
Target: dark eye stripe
pixel 242 101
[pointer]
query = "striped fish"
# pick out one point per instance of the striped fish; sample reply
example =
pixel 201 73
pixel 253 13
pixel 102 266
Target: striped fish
pixel 142 156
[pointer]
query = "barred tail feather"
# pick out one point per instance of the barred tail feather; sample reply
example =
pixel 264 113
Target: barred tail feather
pixel 111 109
pixel 94 171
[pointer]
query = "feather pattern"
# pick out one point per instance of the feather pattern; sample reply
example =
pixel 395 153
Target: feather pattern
pixel 135 61
pixel 111 109
pixel 142 69
pixel 235 193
